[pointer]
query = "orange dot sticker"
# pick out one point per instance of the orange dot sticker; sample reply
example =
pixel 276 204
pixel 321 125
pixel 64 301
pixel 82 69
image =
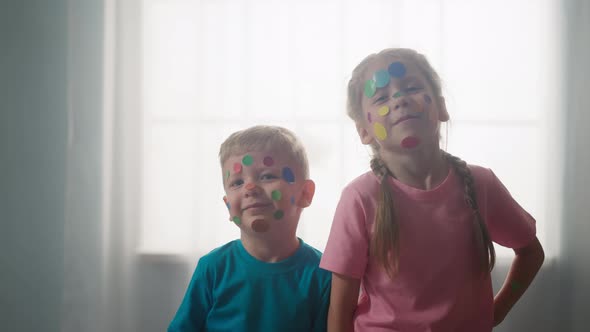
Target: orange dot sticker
pixel 250 186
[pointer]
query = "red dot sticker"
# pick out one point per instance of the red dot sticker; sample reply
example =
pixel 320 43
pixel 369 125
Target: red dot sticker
pixel 410 142
pixel 268 161
pixel 237 167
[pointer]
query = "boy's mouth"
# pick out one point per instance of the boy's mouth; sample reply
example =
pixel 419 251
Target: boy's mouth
pixel 406 117
pixel 257 206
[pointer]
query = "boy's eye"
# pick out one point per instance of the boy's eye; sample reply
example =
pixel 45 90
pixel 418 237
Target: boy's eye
pixel 268 176
pixel 236 183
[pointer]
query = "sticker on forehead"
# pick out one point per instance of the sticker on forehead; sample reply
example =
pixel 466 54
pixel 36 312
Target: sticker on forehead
pixel 276 195
pixel 247 160
pixel 398 94
pixel 383 110
pixel 380 131
pixel 237 168
pixel 381 78
pixel 370 88
pixel 288 175
pixel 397 69
pixel 268 161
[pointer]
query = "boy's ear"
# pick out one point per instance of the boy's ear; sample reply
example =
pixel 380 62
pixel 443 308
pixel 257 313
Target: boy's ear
pixel 307 193
pixel 443 115
pixel 364 135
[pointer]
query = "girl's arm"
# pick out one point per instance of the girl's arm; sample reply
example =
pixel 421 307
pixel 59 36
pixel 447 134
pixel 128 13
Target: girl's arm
pixel 343 300
pixel 525 266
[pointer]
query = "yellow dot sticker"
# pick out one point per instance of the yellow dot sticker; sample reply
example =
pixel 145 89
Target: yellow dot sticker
pixel 380 131
pixel 383 110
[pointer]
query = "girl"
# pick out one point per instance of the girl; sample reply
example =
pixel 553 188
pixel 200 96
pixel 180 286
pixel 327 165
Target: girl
pixel 414 236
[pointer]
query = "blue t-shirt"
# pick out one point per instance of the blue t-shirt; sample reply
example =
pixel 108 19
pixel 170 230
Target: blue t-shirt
pixel 233 291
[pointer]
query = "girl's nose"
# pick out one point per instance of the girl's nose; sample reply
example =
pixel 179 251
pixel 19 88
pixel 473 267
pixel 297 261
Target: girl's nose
pixel 400 102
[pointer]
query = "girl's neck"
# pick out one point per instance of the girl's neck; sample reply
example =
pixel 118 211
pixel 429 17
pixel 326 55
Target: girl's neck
pixel 270 249
pixel 423 168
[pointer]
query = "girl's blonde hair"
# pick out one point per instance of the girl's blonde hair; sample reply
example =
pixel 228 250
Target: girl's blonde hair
pixel 265 138
pixel 385 240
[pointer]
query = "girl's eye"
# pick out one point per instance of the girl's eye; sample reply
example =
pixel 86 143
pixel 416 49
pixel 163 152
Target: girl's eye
pixel 236 183
pixel 412 89
pixel 380 99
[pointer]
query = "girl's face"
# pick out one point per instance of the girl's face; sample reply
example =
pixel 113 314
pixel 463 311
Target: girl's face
pixel 265 191
pixel 400 110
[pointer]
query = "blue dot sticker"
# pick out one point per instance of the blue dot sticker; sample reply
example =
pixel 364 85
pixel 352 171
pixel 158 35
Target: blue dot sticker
pixel 381 78
pixel 397 69
pixel 288 175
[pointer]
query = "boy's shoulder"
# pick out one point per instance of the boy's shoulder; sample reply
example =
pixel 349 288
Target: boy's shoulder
pixel 218 255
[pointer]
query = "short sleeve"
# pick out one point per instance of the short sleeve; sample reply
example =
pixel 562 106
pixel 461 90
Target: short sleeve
pixel 508 223
pixel 195 306
pixel 347 248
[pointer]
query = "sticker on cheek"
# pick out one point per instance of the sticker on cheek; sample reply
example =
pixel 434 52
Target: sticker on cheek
pixel 292 200
pixel 237 168
pixel 380 131
pixel 268 161
pixel 383 110
pixel 247 160
pixel 276 195
pixel 397 69
pixel 227 174
pixel 410 142
pixel 288 175
pixel 427 99
pixel 369 118
pixel 236 220
pixel 226 202
pixel 278 214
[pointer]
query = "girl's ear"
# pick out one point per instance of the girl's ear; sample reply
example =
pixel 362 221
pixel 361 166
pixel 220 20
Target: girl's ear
pixel 364 135
pixel 443 115
pixel 307 193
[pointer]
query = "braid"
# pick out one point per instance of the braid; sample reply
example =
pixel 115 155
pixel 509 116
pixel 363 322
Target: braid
pixel 482 236
pixel 385 241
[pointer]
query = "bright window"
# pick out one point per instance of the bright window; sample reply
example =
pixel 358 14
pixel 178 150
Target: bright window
pixel 212 67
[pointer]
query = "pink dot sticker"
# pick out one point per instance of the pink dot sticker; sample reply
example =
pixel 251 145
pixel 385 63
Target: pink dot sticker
pixel 237 167
pixel 268 161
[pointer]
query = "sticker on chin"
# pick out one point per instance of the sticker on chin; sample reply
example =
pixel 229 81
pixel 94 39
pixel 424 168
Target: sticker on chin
pixel 410 142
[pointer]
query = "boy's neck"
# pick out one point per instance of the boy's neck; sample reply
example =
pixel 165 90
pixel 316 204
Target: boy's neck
pixel 423 168
pixel 270 249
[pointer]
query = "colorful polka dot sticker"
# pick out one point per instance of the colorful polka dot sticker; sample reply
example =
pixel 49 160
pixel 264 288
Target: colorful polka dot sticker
pixel 236 220
pixel 397 69
pixel 370 88
pixel 292 200
pixel 250 186
pixel 381 78
pixel 227 174
pixel 237 168
pixel 288 175
pixel 226 202
pixel 267 161
pixel 247 160
pixel 398 94
pixel 276 195
pixel 369 117
pixel 278 214
pixel 427 99
pixel 383 110
pixel 380 131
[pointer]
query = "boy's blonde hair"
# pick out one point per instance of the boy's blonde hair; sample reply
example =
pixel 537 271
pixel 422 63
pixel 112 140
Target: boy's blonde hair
pixel 265 138
pixel 385 241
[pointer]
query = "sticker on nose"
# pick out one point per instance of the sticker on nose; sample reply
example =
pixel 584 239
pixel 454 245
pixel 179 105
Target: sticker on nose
pixel 250 186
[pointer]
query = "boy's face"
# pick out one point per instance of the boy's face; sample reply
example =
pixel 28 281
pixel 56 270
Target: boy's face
pixel 265 190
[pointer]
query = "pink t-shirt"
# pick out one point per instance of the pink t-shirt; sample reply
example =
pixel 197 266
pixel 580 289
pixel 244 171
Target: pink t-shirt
pixel 436 288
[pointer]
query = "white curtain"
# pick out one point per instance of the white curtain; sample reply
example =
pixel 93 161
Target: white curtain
pixel 177 76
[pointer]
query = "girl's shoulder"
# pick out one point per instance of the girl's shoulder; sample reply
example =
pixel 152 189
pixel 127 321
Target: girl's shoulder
pixel 366 182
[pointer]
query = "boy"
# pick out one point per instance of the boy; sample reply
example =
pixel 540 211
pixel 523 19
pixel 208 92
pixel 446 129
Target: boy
pixel 268 280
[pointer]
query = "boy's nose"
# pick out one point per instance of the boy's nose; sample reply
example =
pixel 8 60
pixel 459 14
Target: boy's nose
pixel 251 188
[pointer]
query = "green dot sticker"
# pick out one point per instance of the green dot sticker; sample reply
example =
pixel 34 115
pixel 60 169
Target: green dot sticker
pixel 370 88
pixel 380 131
pixel 398 94
pixel 236 220
pixel 227 174
pixel 276 195
pixel 515 285
pixel 278 214
pixel 247 160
